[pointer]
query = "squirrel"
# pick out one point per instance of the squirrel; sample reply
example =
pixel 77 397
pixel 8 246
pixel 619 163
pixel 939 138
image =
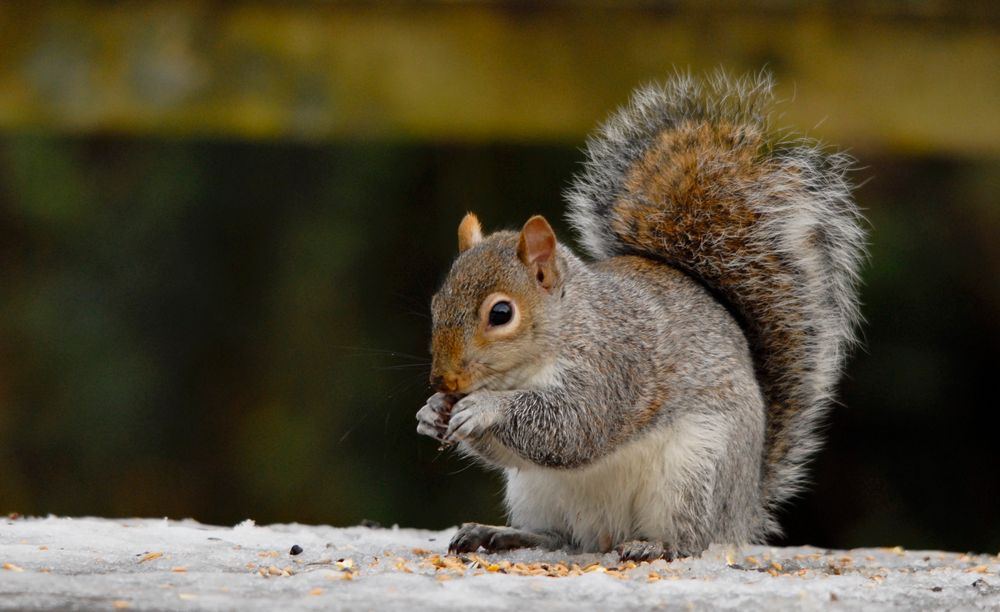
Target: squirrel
pixel 665 395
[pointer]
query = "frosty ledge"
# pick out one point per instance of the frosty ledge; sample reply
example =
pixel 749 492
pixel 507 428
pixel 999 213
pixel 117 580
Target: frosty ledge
pixel 90 563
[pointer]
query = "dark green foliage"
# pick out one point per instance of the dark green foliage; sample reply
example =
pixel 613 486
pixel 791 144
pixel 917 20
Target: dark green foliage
pixel 228 330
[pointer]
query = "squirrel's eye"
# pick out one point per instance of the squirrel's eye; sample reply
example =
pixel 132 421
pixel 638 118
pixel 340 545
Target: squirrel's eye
pixel 501 313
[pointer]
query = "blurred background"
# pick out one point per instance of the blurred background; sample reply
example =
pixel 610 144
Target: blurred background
pixel 221 225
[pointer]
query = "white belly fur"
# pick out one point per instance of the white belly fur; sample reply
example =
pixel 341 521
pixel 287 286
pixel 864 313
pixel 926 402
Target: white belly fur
pixel 632 493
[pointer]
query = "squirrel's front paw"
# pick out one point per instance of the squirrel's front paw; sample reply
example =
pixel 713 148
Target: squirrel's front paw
pixel 432 418
pixel 472 416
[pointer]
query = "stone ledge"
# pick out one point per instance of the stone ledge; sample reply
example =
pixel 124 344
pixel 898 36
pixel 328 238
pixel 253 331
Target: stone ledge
pixel 61 563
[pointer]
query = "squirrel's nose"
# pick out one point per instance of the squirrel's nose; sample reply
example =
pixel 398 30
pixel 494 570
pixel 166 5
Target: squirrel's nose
pixel 447 383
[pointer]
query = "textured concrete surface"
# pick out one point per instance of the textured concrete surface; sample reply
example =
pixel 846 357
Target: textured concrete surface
pixel 62 563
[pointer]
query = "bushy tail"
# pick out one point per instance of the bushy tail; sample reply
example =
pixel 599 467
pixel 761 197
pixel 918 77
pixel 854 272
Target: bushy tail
pixel 686 173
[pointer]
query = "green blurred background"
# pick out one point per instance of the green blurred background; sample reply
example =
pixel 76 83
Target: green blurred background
pixel 221 224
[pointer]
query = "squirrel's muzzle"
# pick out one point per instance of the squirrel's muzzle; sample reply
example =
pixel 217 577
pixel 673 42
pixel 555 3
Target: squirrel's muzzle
pixel 447 382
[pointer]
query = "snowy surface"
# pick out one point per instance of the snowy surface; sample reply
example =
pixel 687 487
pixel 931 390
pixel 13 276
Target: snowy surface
pixel 62 563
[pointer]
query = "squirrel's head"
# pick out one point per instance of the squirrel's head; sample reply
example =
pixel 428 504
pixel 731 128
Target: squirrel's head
pixel 496 309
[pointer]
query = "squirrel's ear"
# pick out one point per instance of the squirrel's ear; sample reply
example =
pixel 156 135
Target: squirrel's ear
pixel 536 248
pixel 470 233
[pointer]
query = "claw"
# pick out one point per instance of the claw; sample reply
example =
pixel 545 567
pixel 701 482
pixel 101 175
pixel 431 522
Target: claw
pixel 471 536
pixel 433 417
pixel 471 417
pixel 641 550
pixel 468 538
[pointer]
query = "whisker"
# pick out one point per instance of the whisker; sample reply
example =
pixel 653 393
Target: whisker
pixel 381 352
pixel 353 426
pixel 471 464
pixel 404 366
pixel 404 385
pixel 422 315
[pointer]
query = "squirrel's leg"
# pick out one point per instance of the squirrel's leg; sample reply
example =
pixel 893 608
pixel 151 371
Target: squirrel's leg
pixel 511 428
pixel 471 536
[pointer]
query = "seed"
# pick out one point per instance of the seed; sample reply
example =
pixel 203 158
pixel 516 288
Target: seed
pixel 296 550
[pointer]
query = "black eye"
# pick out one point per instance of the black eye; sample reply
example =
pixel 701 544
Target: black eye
pixel 501 313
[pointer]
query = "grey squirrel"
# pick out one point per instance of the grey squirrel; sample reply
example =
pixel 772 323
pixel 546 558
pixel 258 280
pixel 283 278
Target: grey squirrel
pixel 665 395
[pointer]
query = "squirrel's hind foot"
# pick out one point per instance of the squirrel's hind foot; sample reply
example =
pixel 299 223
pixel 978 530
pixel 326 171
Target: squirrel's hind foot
pixel 641 550
pixel 471 536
